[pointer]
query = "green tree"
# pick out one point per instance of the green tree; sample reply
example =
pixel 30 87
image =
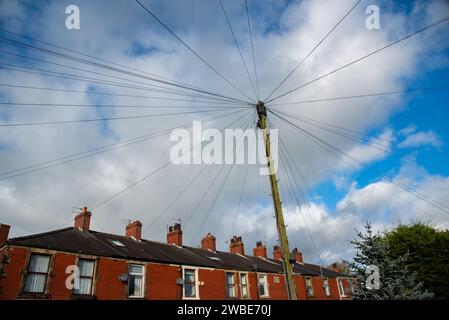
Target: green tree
pixel 428 254
pixel 395 280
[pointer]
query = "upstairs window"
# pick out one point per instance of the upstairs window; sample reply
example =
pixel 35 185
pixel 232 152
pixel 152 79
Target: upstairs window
pixel 326 286
pixel 190 281
pixel 309 287
pixel 86 269
pixel 244 285
pixel 37 273
pixel 135 280
pixel 263 285
pixel 341 288
pixel 230 284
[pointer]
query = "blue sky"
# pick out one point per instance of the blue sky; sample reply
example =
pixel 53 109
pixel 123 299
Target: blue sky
pixel 424 110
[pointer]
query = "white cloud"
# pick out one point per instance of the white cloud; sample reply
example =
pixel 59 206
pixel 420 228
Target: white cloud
pixel 387 202
pixel 375 149
pixel 283 33
pixel 422 138
pixel 408 130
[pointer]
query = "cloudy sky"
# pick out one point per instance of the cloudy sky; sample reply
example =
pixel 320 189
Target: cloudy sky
pixel 49 170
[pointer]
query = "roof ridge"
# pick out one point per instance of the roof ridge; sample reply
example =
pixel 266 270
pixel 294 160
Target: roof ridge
pixel 327 269
pixel 142 239
pixel 36 235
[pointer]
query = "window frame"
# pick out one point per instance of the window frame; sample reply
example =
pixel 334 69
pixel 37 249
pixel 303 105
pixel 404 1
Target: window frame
pixel 195 282
pixel 92 278
pixel 28 273
pixel 312 293
pixel 241 285
pixel 266 287
pixel 135 274
pixel 326 287
pixel 341 288
pixel 233 285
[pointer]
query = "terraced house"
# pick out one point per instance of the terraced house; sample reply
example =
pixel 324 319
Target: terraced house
pixel 109 266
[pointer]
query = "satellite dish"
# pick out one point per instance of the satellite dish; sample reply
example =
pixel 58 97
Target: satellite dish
pixel 180 281
pixel 123 277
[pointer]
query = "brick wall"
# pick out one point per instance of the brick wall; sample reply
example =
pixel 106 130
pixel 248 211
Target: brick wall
pixel 160 279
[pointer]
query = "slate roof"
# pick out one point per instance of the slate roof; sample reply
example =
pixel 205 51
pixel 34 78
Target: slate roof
pixel 100 244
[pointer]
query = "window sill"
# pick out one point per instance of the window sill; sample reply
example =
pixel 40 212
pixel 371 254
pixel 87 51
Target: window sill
pixel 190 298
pixel 83 297
pixel 30 295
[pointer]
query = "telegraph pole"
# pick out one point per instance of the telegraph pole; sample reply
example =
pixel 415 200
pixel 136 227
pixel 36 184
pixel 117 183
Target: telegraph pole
pixel 282 233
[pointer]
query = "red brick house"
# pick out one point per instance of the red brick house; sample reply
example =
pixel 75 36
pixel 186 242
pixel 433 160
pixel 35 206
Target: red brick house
pixel 119 267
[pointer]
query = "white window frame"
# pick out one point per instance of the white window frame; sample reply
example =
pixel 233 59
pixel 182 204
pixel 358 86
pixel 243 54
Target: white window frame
pixel 311 286
pixel 241 286
pixel 197 284
pixel 341 288
pixel 266 286
pixel 234 285
pixel 29 273
pixel 327 287
pixel 92 278
pixel 140 274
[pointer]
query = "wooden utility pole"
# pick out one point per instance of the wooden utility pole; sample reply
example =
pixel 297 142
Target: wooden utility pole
pixel 282 233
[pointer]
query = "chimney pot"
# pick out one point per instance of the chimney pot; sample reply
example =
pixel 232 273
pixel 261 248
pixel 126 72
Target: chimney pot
pixel 174 235
pixel 82 220
pixel 260 250
pixel 298 255
pixel 4 232
pixel 134 230
pixel 277 253
pixel 236 245
pixel 209 242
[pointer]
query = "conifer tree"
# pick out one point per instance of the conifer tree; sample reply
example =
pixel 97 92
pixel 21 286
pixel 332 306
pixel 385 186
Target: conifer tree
pixel 395 280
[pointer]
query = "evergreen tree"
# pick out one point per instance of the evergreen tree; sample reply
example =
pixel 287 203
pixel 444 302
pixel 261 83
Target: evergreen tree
pixel 428 250
pixel 395 280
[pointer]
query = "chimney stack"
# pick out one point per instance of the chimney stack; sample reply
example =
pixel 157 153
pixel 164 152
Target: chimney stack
pixel 209 243
pixel 298 255
pixel 236 245
pixel 260 250
pixel 334 266
pixel 82 220
pixel 134 230
pixel 4 232
pixel 277 253
pixel 174 235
